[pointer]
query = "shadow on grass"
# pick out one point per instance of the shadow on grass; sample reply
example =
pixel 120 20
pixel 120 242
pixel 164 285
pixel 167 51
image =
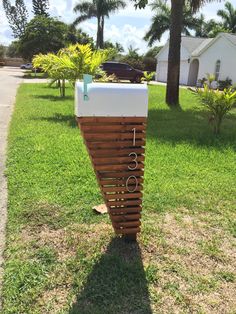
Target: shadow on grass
pixel 60 118
pixel 116 284
pixel 191 126
pixel 54 98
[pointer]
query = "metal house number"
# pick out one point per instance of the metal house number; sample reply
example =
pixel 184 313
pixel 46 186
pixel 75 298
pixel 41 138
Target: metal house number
pixel 133 167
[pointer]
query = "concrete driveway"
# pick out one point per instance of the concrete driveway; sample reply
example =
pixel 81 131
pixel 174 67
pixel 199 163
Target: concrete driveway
pixel 10 78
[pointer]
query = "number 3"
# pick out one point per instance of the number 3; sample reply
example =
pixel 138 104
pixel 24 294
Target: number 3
pixel 134 160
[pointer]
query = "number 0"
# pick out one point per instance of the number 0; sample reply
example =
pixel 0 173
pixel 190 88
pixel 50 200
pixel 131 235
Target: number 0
pixel 135 186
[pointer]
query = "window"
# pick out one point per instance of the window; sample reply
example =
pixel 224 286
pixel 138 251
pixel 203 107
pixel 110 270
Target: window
pixel 217 71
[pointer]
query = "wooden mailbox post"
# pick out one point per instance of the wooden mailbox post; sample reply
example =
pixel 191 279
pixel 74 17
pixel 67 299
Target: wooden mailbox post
pixel 112 119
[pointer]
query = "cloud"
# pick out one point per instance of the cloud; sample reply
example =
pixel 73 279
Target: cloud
pixel 126 35
pixel 118 27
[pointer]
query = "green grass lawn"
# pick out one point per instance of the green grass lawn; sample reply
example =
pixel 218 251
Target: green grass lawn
pixel 63 258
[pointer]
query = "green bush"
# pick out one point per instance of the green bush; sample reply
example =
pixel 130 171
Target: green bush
pixel 218 104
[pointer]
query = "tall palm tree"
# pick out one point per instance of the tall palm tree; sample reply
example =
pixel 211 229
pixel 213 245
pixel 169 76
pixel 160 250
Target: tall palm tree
pixel 98 9
pixel 177 9
pixel 228 17
pixel 161 21
pixel 208 28
pixel 176 18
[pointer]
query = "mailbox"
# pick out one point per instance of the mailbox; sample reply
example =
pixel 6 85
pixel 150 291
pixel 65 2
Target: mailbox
pixel 112 118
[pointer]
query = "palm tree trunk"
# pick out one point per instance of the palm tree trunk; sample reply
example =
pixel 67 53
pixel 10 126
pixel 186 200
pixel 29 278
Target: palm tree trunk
pixel 172 91
pixel 102 33
pixel 98 32
pixel 100 28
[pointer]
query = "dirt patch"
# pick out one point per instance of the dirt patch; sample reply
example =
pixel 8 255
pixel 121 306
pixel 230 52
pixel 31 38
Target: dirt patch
pixel 188 255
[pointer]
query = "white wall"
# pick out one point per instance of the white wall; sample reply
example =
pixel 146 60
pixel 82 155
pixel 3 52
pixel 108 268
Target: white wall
pixel 161 74
pixel 162 65
pixel 222 50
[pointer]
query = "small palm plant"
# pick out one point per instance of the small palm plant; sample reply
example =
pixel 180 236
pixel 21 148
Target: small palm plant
pixel 71 63
pixel 148 77
pixel 218 104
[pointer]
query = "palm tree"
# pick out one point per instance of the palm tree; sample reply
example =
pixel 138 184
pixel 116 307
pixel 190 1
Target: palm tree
pixel 177 9
pixel 98 9
pixel 208 28
pixel 161 21
pixel 229 17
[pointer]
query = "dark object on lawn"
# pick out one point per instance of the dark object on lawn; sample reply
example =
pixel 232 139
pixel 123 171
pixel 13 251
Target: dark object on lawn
pixel 122 71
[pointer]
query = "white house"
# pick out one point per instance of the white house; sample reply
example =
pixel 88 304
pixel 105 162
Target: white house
pixel 200 56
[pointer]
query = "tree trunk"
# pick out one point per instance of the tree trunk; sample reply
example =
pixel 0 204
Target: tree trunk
pixel 172 91
pixel 100 26
pixel 102 33
pixel 98 32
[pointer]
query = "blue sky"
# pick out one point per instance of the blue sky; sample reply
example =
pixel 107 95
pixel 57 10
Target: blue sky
pixel 126 26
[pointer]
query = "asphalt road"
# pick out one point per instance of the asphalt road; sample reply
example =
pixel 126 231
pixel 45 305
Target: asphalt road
pixel 10 78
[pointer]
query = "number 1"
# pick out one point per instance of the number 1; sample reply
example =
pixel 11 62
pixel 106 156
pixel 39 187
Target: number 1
pixel 134 138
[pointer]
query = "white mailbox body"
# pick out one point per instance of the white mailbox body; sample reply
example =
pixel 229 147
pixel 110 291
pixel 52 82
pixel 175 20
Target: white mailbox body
pixel 111 100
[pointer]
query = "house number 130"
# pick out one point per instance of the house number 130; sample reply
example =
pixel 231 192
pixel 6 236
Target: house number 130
pixel 134 187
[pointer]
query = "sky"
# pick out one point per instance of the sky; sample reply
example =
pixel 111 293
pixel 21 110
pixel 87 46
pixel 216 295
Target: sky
pixel 126 26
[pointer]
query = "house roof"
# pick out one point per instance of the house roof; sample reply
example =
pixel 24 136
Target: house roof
pixel 191 43
pixel 231 37
pixel 197 45
pixel 201 47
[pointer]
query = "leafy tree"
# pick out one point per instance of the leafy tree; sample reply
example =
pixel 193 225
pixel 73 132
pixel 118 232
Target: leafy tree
pixel 117 46
pixel 176 22
pixel 2 52
pixel 13 50
pixel 228 17
pixel 40 7
pixel 161 21
pixel 98 9
pixel 150 60
pixel 17 16
pixel 77 36
pixel 133 58
pixel 208 28
pixel 42 35
pixel 152 52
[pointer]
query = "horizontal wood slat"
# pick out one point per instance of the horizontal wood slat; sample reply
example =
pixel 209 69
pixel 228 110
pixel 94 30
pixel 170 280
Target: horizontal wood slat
pixel 123 196
pixel 125 210
pixel 113 128
pixel 125 203
pixel 112 136
pixel 117 182
pixel 127 230
pixel 107 120
pixel 120 167
pixel 115 143
pixel 120 174
pixel 127 224
pixel 104 152
pixel 128 217
pixel 110 141
pixel 111 160
pixel 120 188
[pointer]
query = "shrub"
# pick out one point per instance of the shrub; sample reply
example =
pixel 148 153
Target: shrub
pixel 218 104
pixel 148 77
pixel 227 83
